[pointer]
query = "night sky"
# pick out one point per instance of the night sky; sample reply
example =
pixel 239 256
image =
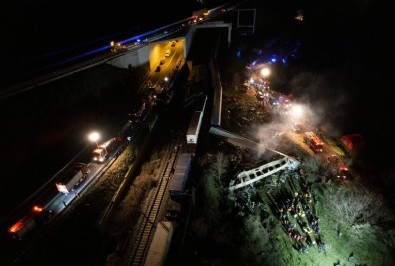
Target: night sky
pixel 351 42
pixel 32 31
pixel 34 34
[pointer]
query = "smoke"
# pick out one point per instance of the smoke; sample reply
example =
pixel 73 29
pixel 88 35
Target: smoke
pixel 265 134
pixel 326 96
pixel 322 99
pixel 309 116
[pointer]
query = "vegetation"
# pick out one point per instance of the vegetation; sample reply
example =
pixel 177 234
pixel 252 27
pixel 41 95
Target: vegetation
pixel 247 226
pixel 353 220
pixel 356 222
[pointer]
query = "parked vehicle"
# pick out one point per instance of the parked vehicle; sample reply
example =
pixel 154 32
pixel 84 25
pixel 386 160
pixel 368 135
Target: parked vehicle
pixel 37 215
pixel 102 152
pixel 337 166
pixel 314 142
pixel 72 178
pixel 273 101
pixel 299 127
pixel 260 95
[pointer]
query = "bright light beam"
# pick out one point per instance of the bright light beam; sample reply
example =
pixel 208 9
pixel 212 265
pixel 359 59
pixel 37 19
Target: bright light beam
pixel 297 112
pixel 94 137
pixel 265 72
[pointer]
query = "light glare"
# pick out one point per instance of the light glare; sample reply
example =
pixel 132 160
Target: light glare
pixel 94 136
pixel 265 72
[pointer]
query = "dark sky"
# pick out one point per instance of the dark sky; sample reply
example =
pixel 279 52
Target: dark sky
pixel 31 30
pixel 350 45
pixel 346 71
pixel 353 42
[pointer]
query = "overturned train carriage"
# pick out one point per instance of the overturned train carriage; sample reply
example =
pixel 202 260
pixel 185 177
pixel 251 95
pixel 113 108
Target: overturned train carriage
pixel 249 177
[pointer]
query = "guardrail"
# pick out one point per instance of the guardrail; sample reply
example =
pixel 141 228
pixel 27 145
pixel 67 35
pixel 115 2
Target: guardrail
pixel 156 34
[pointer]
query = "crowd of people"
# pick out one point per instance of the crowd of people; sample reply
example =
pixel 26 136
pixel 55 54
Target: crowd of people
pixel 299 220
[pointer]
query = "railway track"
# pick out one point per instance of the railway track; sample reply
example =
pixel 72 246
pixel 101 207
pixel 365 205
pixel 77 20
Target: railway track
pixel 148 222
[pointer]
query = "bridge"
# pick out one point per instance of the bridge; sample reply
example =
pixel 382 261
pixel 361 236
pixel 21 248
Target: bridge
pixel 136 50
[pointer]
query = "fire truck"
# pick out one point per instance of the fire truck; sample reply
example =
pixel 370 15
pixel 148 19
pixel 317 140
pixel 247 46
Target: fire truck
pixel 337 166
pixel 313 141
pixel 103 151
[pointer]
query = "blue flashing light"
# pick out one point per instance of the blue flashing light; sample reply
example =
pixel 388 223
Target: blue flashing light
pixel 239 54
pixel 284 61
pixel 254 62
pixel 273 58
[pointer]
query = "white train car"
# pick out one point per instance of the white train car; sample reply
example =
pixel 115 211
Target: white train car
pixel 160 244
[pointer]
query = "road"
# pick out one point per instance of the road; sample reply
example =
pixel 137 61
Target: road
pixel 163 79
pixel 61 68
pixel 54 202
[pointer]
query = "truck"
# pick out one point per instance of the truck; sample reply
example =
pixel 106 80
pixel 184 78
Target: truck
pixel 72 178
pixel 337 167
pixel 103 151
pixel 313 141
pixel 36 215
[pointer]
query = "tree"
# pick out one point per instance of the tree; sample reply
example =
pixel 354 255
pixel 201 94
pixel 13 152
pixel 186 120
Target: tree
pixel 259 236
pixel 211 196
pixel 219 166
pixel 356 205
